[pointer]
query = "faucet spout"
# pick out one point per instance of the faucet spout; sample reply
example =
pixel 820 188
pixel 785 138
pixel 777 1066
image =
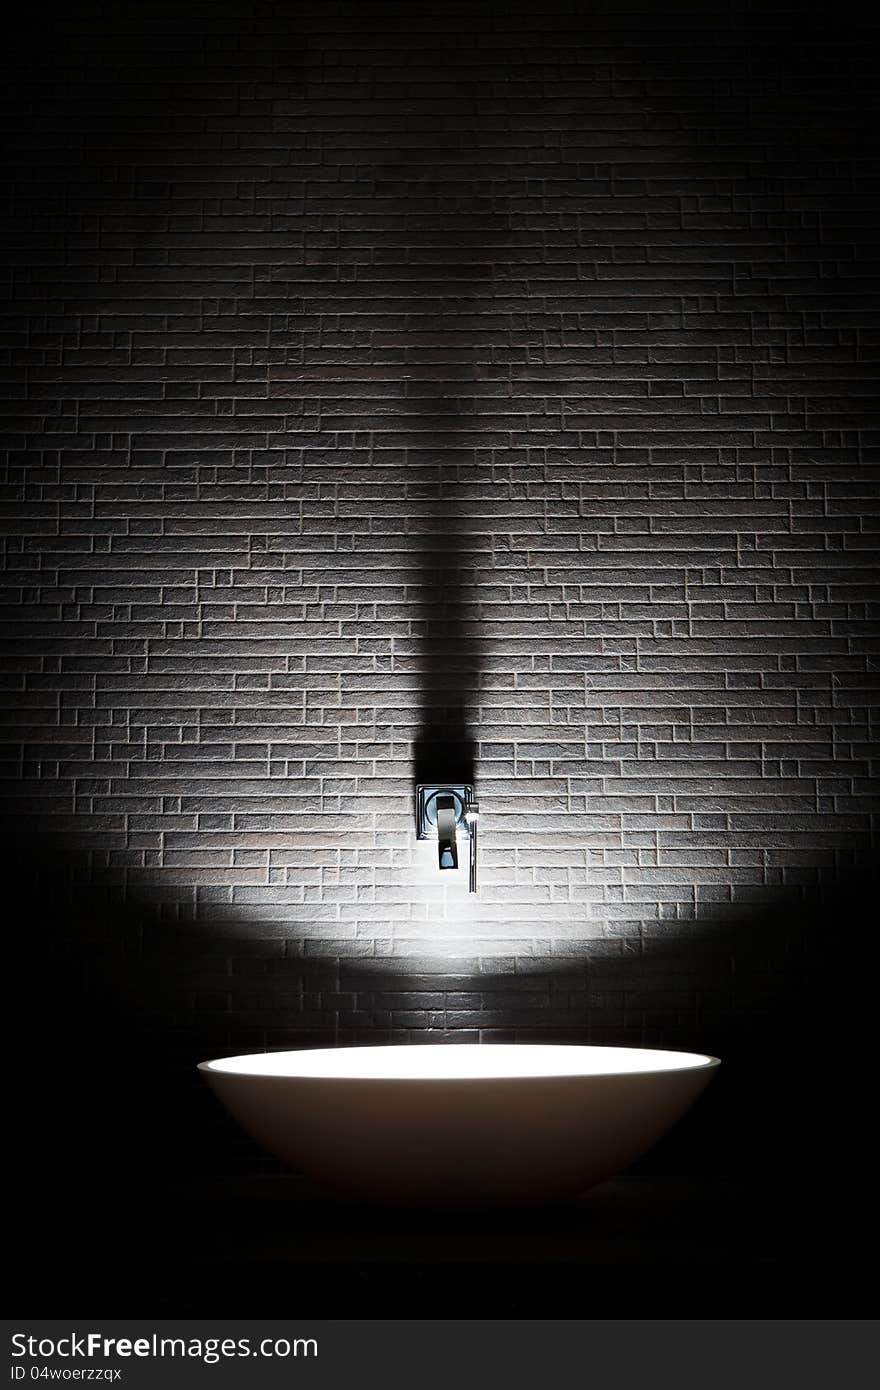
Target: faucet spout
pixel 472 817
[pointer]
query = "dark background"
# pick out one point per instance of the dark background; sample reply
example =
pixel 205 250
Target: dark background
pixel 400 391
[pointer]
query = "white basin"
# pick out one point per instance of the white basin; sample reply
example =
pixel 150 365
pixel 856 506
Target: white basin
pixel 454 1123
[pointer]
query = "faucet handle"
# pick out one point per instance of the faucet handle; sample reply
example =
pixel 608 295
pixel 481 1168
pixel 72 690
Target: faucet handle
pixel 447 845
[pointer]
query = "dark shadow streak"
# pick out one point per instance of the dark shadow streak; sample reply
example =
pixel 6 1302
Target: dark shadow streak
pixel 454 242
pixel 449 643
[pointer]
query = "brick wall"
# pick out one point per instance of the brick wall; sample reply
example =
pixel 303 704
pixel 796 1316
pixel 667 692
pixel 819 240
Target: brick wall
pixel 489 377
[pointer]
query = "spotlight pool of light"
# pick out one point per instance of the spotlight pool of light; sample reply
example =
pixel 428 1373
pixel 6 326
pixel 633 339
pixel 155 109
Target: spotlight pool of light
pixel 460 1124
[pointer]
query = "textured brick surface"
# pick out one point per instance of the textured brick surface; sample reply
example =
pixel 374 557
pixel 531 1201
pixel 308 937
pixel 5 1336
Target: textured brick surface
pixel 385 374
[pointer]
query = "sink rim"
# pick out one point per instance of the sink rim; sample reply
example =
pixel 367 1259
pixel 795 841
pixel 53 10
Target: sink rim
pixel 537 1065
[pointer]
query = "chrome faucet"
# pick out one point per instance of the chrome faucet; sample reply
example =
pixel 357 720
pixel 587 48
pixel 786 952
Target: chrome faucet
pixel 440 811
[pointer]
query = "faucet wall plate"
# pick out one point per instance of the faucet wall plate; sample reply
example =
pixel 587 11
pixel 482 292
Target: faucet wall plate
pixel 462 795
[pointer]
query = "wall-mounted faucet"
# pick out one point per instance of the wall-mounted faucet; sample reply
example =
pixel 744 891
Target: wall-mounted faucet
pixel 441 810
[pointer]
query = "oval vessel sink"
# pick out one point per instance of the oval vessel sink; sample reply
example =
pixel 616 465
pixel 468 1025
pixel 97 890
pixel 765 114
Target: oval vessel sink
pixel 472 1124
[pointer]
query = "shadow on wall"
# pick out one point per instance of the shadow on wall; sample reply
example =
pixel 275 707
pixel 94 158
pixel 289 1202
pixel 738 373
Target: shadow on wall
pixel 453 251
pixel 449 643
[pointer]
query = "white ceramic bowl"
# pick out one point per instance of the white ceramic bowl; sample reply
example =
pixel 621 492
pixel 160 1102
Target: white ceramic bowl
pixel 459 1123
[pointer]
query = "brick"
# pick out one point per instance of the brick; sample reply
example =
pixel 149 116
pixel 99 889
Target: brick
pixel 328 384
